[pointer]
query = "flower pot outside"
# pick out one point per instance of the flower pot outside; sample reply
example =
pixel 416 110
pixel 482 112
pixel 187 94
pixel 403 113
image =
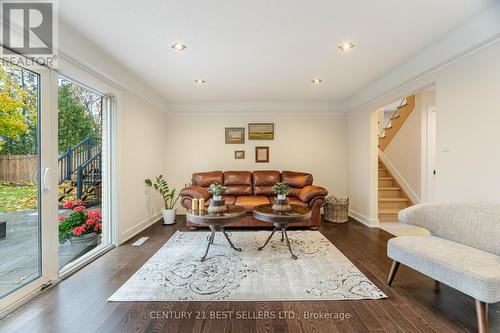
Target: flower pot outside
pixel 169 215
pixel 81 243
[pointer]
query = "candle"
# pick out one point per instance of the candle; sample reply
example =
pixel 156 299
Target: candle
pixel 201 204
pixel 194 204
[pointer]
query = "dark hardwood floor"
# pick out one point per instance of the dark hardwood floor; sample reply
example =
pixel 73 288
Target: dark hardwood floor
pixel 78 304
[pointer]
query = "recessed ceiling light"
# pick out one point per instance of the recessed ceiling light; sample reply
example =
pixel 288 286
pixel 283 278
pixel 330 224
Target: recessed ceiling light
pixel 200 81
pixel 317 81
pixel 178 46
pixel 346 46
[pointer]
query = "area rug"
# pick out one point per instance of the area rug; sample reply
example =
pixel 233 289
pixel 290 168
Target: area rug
pixel 175 272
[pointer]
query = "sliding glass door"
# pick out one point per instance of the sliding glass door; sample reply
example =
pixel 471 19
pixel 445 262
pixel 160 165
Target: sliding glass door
pixel 83 147
pixel 55 176
pixel 25 215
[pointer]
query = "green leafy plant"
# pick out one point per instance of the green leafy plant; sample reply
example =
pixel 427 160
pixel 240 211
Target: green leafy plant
pixel 281 188
pixel 160 185
pixel 217 189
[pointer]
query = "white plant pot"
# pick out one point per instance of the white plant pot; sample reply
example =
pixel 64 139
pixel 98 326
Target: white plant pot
pixel 217 197
pixel 169 215
pixel 281 196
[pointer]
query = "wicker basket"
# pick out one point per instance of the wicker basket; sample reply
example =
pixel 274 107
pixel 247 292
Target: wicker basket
pixel 336 210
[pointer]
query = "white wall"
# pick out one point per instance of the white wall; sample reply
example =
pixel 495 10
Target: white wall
pixel 309 143
pixel 141 155
pixel 140 128
pixel 465 89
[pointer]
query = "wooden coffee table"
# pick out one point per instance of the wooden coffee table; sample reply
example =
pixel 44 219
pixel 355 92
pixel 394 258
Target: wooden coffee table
pixel 281 220
pixel 217 221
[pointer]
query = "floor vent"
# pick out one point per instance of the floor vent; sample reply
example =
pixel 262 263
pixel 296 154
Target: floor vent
pixel 140 241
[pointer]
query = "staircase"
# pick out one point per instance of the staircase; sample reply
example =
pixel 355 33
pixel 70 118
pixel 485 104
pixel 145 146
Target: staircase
pixel 391 199
pixel 397 120
pixel 80 170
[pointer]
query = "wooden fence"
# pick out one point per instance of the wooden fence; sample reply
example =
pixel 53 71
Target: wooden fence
pixel 18 168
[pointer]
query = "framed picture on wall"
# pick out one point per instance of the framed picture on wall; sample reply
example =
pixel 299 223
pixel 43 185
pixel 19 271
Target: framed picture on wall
pixel 239 154
pixel 261 131
pixel 261 154
pixel 235 135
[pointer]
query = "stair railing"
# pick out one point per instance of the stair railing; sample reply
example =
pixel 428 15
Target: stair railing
pixel 69 161
pixel 394 115
pixel 88 174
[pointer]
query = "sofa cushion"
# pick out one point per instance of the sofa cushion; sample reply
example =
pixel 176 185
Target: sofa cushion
pixel 237 178
pixel 291 200
pixel 472 271
pixel 204 179
pixel 296 181
pixel 263 182
pixel 250 202
pixel 239 190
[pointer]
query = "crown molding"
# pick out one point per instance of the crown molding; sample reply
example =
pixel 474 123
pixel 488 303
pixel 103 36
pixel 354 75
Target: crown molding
pixel 255 107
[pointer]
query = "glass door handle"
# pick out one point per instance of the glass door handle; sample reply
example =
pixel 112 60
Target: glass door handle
pixel 45 180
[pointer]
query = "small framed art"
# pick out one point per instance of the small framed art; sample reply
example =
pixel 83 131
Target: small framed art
pixel 239 154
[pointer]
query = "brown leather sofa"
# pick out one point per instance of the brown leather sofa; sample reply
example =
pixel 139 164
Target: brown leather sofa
pixel 250 189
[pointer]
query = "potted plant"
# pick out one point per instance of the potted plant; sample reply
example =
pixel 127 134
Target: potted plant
pixel 217 204
pixel 281 189
pixel 217 191
pixel 82 228
pixel 169 198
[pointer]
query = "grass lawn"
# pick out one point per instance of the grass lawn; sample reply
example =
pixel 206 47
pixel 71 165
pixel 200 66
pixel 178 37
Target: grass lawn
pixel 18 196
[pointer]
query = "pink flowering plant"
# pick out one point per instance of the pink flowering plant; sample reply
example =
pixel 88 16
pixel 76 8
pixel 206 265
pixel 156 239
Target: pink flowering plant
pixel 79 222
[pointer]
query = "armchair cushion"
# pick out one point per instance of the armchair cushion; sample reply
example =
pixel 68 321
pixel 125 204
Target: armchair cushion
pixel 307 193
pixel 472 271
pixel 195 192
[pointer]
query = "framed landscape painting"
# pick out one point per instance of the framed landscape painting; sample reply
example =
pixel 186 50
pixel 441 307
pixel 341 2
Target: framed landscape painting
pixel 235 135
pixel 261 131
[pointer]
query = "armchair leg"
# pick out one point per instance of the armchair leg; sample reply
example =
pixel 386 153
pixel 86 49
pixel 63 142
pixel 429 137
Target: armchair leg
pixel 437 285
pixel 392 272
pixel 482 316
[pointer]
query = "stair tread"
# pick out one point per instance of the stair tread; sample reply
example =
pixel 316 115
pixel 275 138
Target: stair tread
pixel 388 188
pixel 385 178
pixel 389 211
pixel 393 199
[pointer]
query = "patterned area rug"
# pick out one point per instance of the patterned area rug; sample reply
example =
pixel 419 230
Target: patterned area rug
pixel 175 272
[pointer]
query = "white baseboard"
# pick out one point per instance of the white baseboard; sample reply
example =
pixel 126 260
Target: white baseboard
pixel 131 232
pixel 372 223
pixel 414 198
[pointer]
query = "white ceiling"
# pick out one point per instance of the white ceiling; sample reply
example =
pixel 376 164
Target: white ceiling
pixel 264 50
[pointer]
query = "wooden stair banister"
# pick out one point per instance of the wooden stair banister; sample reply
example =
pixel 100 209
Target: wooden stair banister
pixel 397 121
pixel 80 169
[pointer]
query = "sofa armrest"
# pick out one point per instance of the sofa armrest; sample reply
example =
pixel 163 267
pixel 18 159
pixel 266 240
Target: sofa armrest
pixel 310 192
pixel 195 192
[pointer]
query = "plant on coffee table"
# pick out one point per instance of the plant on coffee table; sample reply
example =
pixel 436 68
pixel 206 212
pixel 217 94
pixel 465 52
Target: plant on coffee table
pixel 281 189
pixel 217 191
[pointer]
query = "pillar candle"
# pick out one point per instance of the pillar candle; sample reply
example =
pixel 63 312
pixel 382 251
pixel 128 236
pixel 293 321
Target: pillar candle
pixel 201 204
pixel 194 204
